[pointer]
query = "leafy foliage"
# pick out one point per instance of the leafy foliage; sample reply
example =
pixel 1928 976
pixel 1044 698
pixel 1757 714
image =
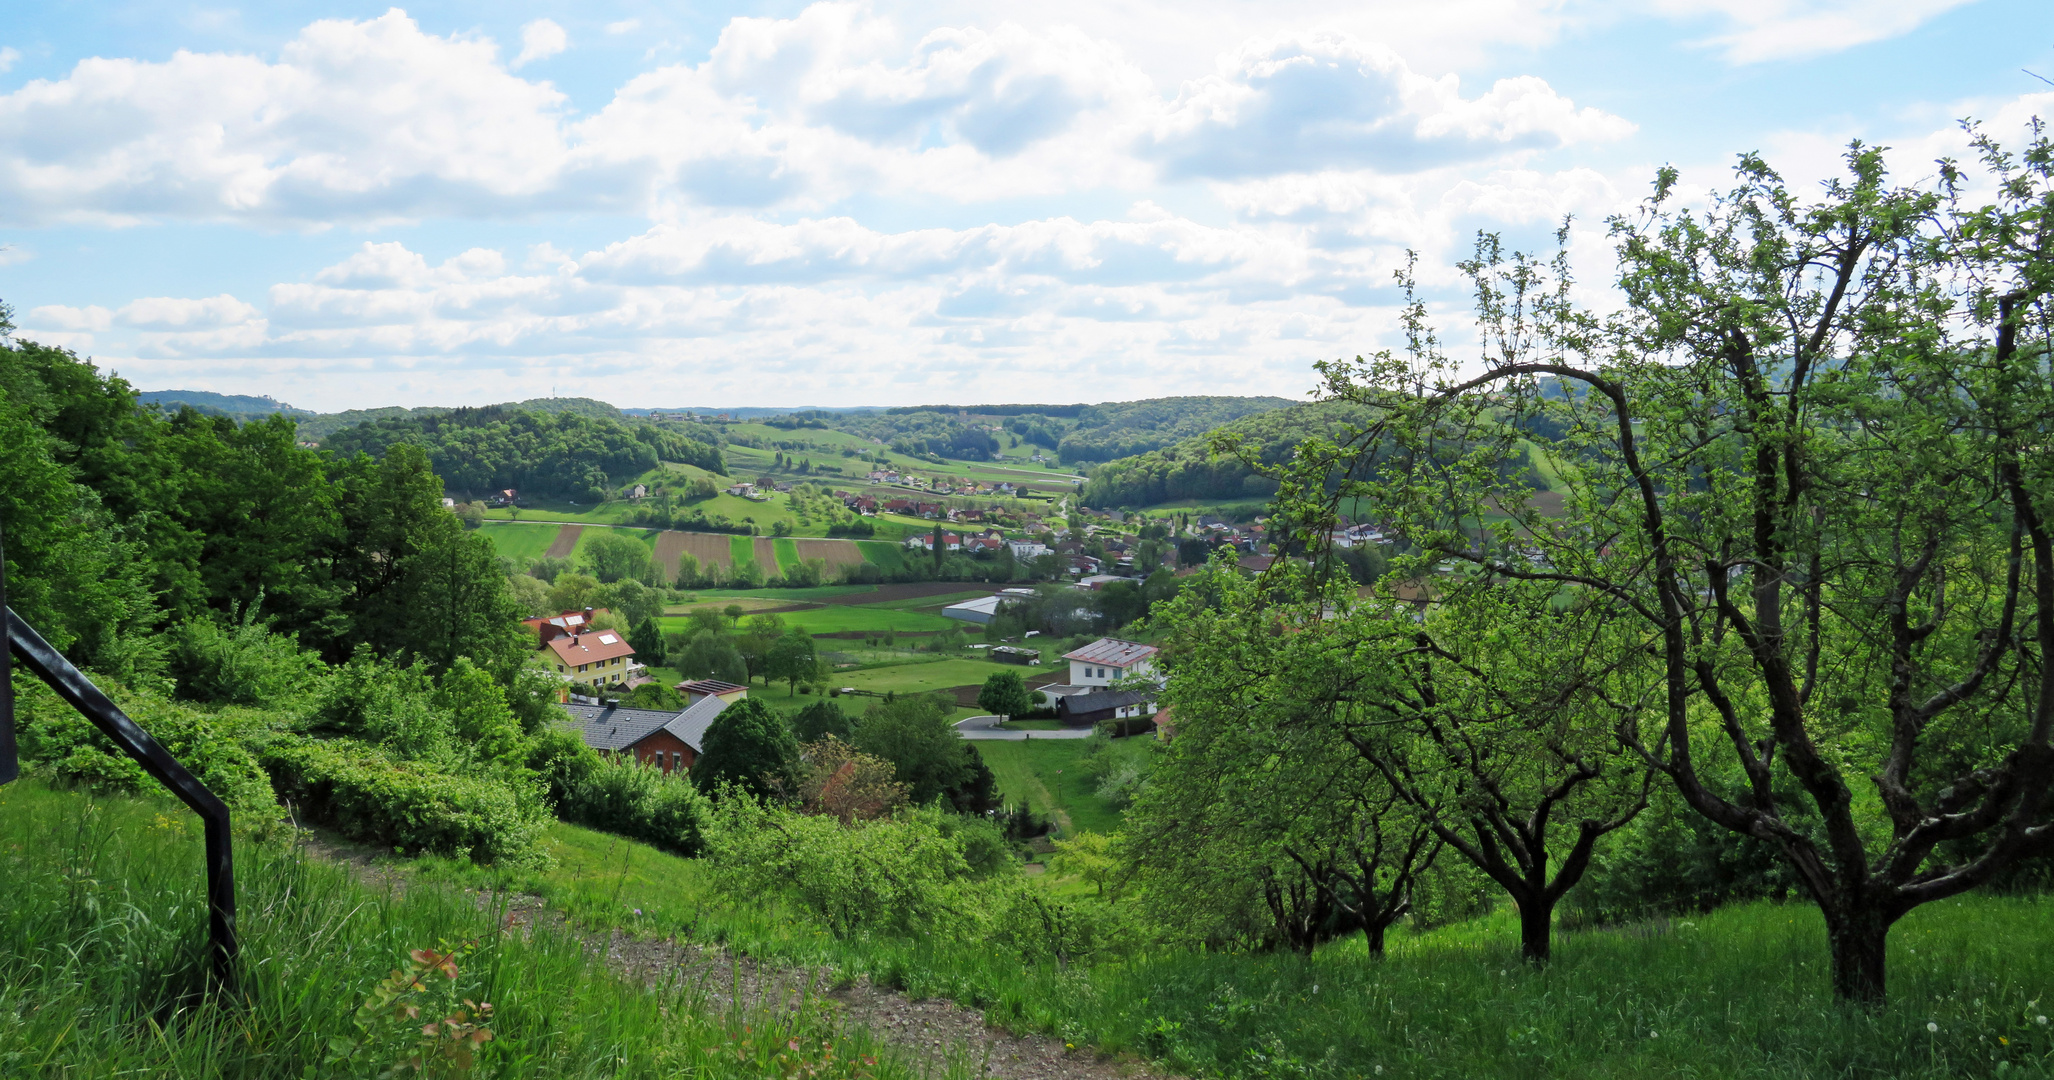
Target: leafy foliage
pixel 569 454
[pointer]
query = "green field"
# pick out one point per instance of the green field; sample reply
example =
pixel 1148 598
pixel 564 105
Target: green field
pixel 520 543
pixel 787 555
pixel 742 549
pixel 1048 775
pixel 884 555
pixel 840 618
pixel 933 675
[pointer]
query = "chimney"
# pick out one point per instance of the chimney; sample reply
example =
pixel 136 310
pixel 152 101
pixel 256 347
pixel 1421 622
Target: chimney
pixel 588 616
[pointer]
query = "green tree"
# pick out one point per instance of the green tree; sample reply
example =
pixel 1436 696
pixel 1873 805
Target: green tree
pixel 749 746
pixel 654 696
pixel 1813 446
pixel 572 592
pixel 530 594
pixel 633 601
pixel 734 613
pixel 1005 694
pixel 647 639
pixel 914 734
pixel 613 556
pixel 790 658
pixel 483 723
pixel 707 654
pixel 821 720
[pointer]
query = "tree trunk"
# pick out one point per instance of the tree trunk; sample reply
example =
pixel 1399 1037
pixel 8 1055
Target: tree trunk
pixel 1535 917
pixel 1373 936
pixel 1856 940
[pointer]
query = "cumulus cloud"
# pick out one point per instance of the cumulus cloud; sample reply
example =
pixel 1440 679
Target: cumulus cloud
pixel 541 40
pixel 1304 103
pixel 379 120
pixel 372 119
pixel 171 313
pixel 1764 30
pixel 61 317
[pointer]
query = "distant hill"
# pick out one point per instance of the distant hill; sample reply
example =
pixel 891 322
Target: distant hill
pixel 239 406
pixel 749 412
pixel 1186 469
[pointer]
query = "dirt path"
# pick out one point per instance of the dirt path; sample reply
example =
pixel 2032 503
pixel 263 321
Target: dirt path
pixel 566 540
pixel 933 1034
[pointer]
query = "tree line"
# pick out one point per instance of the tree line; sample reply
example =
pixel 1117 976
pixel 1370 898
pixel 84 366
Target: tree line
pixel 566 454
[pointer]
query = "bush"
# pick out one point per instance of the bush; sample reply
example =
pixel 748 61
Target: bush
pixel 639 802
pixel 366 794
pixel 58 742
pixel 241 664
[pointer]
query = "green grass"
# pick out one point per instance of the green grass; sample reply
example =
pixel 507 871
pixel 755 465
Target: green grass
pixel 787 555
pixel 786 596
pixel 741 549
pixel 1741 992
pixel 102 918
pixel 838 618
pixel 936 602
pixel 933 675
pixel 521 542
pixel 884 555
pixel 1048 775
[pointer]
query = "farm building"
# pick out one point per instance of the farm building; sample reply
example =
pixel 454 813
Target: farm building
pixel 669 740
pixel 979 611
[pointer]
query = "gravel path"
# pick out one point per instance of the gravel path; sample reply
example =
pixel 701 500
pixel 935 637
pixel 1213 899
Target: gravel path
pixel 937 1035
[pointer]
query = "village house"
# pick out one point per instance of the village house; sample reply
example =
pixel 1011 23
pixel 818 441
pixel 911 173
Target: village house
pixel 696 689
pixel 671 741
pixel 1091 708
pixel 593 658
pixel 1108 659
pixel 925 542
pixel 743 489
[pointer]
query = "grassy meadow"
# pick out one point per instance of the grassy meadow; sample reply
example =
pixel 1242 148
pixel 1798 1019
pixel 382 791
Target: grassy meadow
pixel 1048 777
pixel 102 960
pixel 1740 992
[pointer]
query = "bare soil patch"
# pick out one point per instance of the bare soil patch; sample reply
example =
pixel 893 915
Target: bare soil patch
pixel 669 545
pixel 705 547
pixel 836 553
pixel 566 540
pixel 766 557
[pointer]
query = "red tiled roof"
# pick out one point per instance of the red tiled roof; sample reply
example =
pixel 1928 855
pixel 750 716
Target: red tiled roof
pixel 590 647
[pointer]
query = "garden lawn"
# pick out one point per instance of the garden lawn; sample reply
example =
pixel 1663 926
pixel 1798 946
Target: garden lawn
pixel 1048 776
pixel 933 675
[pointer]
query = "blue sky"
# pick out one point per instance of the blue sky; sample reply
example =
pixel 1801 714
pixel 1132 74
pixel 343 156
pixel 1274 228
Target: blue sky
pixel 346 205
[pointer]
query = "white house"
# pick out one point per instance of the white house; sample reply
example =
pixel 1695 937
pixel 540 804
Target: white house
pixel 1107 659
pixel 1027 549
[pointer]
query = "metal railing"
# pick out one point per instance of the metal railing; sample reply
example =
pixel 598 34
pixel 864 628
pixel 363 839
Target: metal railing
pixel 71 684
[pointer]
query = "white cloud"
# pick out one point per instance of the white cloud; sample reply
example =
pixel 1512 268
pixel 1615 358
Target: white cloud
pixel 61 317
pixel 541 40
pixel 1790 29
pixel 357 120
pixel 378 121
pixel 1307 102
pixel 9 56
pixel 624 26
pixel 171 313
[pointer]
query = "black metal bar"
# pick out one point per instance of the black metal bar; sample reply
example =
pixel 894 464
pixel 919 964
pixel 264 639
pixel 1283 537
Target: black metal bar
pixel 10 765
pixel 72 685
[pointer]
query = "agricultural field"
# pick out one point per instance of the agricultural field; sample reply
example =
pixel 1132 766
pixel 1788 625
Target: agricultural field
pixel 523 542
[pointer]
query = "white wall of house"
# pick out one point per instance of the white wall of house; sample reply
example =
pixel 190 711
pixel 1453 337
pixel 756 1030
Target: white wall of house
pixel 1083 674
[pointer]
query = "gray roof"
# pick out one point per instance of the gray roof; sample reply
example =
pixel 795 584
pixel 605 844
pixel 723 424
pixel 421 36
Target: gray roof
pixel 606 727
pixel 1111 699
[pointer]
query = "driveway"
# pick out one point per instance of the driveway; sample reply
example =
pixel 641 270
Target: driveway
pixel 986 728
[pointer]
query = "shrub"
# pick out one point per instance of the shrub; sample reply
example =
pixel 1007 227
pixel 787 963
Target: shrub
pixel 62 744
pixel 629 799
pixel 241 664
pixel 367 794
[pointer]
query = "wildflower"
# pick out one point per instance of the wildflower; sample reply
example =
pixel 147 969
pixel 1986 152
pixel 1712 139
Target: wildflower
pixel 638 911
pixel 2002 1041
pixel 1654 1034
pixel 1380 1070
pixel 1932 1027
pixel 2040 1020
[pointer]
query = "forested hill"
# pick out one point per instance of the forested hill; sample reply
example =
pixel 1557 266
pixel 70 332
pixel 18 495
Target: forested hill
pixel 239 406
pixel 1187 469
pixel 1076 433
pixel 568 453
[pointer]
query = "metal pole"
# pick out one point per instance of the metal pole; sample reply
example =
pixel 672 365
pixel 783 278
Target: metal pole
pixel 10 766
pixel 72 685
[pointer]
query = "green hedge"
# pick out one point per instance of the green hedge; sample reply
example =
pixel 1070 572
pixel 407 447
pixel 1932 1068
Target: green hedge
pixel 369 795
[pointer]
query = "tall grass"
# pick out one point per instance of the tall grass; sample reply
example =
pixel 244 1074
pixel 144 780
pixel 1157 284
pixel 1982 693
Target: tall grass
pixel 102 961
pixel 1742 992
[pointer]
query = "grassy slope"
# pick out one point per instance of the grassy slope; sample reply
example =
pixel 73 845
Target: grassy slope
pixel 1737 993
pixel 101 906
pixel 787 554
